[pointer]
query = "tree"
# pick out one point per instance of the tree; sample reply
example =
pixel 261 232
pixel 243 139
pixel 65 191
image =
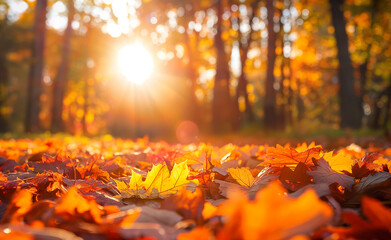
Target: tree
pixel 222 106
pixel 36 68
pixel 244 45
pixel 62 74
pixel 350 109
pixel 3 71
pixel 270 113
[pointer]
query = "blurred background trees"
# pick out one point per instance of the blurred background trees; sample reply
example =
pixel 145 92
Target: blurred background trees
pixel 225 65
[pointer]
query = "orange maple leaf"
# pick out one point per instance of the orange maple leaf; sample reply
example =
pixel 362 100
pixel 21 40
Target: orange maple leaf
pixel 273 215
pixel 72 205
pixel 20 204
pixel 288 156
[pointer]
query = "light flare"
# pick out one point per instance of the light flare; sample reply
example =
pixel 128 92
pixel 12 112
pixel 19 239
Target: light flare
pixel 135 63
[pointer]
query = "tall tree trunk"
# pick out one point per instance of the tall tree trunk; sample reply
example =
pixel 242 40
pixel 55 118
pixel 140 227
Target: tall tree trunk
pixel 350 109
pixel 363 68
pixel 34 88
pixel 270 97
pixel 378 107
pixel 289 111
pixel 62 74
pixel 3 74
pixel 192 110
pixel 241 89
pixel 222 106
pixel 387 110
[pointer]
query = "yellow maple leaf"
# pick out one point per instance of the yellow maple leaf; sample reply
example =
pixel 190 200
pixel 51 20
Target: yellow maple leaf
pixel 177 179
pixel 339 162
pixel 158 183
pixel 154 182
pixel 134 188
pixel 242 175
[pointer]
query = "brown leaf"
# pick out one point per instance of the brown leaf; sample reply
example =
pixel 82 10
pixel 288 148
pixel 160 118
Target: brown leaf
pixel 322 173
pixel 187 203
pixel 293 180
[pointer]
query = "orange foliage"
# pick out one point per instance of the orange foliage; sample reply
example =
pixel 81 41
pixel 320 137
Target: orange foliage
pixel 107 187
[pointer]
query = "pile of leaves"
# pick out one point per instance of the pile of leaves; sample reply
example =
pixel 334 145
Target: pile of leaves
pixel 123 189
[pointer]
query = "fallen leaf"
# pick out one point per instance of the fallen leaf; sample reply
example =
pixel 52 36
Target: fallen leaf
pixel 377 226
pixel 158 183
pixel 293 180
pixel 20 204
pixel 273 215
pixel 339 162
pixel 288 156
pixel 242 176
pixel 322 173
pixel 371 180
pixel 187 203
pixel 72 205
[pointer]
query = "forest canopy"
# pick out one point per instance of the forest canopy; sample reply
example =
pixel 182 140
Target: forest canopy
pixel 139 67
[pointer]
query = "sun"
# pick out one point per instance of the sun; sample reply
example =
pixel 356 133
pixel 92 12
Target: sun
pixel 135 63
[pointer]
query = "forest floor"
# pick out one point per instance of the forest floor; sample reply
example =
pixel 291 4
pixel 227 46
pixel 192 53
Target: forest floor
pixel 234 186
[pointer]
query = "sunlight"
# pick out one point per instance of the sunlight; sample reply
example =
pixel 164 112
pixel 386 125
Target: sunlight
pixel 135 63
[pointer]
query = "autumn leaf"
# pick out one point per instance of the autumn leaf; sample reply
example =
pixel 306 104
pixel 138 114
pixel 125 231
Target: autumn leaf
pixel 273 215
pixel 293 180
pixel 20 204
pixel 187 203
pixel 339 162
pixel 242 175
pixel 377 213
pixel 282 156
pixel 73 205
pixel 371 180
pixel 158 183
pixel 322 173
pixel 377 226
pixel 135 187
pixel 228 188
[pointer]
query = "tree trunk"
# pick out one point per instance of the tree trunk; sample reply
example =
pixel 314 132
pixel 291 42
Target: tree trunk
pixel 192 110
pixel 377 109
pixel 387 110
pixel 350 109
pixel 3 74
pixel 34 89
pixel 363 68
pixel 222 106
pixel 62 75
pixel 270 97
pixel 241 89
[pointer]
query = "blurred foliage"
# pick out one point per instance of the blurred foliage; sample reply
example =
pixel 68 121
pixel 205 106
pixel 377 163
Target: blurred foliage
pixel 180 36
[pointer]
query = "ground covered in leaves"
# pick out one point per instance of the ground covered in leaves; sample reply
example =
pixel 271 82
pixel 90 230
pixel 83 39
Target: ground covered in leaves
pixel 122 189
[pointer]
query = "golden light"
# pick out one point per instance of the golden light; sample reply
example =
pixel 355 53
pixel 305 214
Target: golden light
pixel 135 63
